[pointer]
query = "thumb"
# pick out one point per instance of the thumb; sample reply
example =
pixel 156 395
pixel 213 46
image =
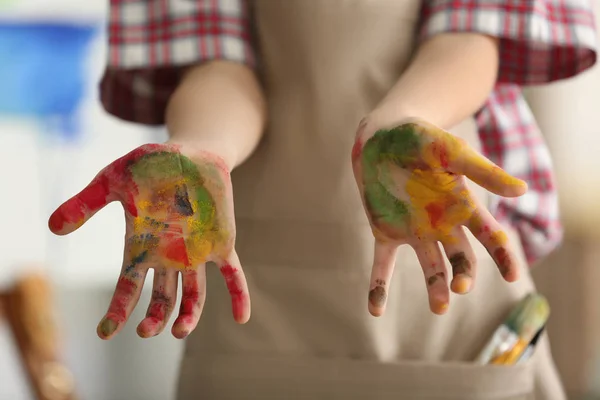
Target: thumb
pixel 78 209
pixel 486 174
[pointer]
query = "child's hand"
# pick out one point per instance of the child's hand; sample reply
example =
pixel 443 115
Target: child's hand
pixel 412 182
pixel 179 215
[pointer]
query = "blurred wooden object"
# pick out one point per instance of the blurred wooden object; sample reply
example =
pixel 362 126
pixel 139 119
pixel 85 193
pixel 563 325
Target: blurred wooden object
pixel 27 307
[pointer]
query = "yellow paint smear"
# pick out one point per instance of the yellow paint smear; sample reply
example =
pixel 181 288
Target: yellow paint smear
pixel 445 146
pixel 512 356
pixel 428 189
pixel 499 238
pixel 200 235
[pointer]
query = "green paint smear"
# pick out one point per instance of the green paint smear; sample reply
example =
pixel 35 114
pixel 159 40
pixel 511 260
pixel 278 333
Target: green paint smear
pixel 164 165
pixel 206 205
pixel 400 146
pixel 529 315
pixel 167 165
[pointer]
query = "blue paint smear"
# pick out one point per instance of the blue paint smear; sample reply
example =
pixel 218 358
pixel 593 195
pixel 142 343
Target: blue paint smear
pixel 42 72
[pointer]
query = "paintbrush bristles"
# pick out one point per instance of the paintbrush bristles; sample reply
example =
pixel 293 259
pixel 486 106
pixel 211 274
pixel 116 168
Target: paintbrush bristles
pixel 529 316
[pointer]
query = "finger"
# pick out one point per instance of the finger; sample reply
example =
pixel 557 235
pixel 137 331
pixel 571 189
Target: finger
pixel 462 259
pixel 456 155
pixel 164 296
pixel 125 298
pixel 237 286
pixel 78 209
pixel 490 233
pixel 192 301
pixel 381 276
pixel 434 269
pixel 482 171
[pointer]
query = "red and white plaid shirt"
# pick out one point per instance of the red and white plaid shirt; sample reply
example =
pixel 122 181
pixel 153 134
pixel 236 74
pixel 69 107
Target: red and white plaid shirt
pixel 152 41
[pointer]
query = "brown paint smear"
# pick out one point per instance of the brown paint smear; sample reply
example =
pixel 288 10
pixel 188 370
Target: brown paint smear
pixel 433 279
pixel 460 264
pixel 377 296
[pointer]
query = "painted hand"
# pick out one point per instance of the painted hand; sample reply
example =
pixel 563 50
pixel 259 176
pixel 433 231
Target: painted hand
pixel 412 182
pixel 179 215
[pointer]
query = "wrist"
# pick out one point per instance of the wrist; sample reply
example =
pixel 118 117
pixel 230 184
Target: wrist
pixel 217 148
pixel 390 111
pixel 385 116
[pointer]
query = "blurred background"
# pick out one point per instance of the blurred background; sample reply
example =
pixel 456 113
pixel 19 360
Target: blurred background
pixel 54 137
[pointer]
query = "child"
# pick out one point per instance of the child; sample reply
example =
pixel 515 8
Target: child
pixel 300 228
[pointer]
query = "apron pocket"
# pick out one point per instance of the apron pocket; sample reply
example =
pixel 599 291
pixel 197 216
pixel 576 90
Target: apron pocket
pixel 260 377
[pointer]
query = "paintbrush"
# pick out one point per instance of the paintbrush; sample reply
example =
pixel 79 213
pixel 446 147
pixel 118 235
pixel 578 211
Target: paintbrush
pixel 528 352
pixel 517 331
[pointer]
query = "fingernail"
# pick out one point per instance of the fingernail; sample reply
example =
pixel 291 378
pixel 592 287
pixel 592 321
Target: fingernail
pixel 440 308
pixel 461 284
pixel 107 327
pixel 377 296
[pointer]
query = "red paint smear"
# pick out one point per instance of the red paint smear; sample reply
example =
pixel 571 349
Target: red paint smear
pixel 70 210
pixel 236 292
pixel 187 306
pixel 189 298
pixel 442 152
pixel 356 149
pixel 503 259
pixel 175 250
pixel 95 195
pixel 157 311
pixel 478 227
pixel 130 204
pixel 436 212
pixel 186 310
pixel 118 172
pixel 123 294
pixel 88 201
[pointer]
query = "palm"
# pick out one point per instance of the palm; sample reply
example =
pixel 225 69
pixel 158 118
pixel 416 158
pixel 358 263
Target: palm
pixel 412 182
pixel 179 215
pixel 176 223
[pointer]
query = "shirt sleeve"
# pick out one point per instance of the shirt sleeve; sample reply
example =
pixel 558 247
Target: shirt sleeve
pixel 540 40
pixel 151 42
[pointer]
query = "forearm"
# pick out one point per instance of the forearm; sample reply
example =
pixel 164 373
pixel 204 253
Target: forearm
pixel 218 107
pixel 448 80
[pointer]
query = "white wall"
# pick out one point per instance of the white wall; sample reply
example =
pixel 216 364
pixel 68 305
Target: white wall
pixel 38 173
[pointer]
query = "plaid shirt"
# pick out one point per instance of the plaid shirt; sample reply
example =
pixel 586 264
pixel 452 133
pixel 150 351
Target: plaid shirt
pixel 152 41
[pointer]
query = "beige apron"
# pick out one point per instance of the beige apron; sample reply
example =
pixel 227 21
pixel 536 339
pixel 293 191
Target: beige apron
pixel 307 249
